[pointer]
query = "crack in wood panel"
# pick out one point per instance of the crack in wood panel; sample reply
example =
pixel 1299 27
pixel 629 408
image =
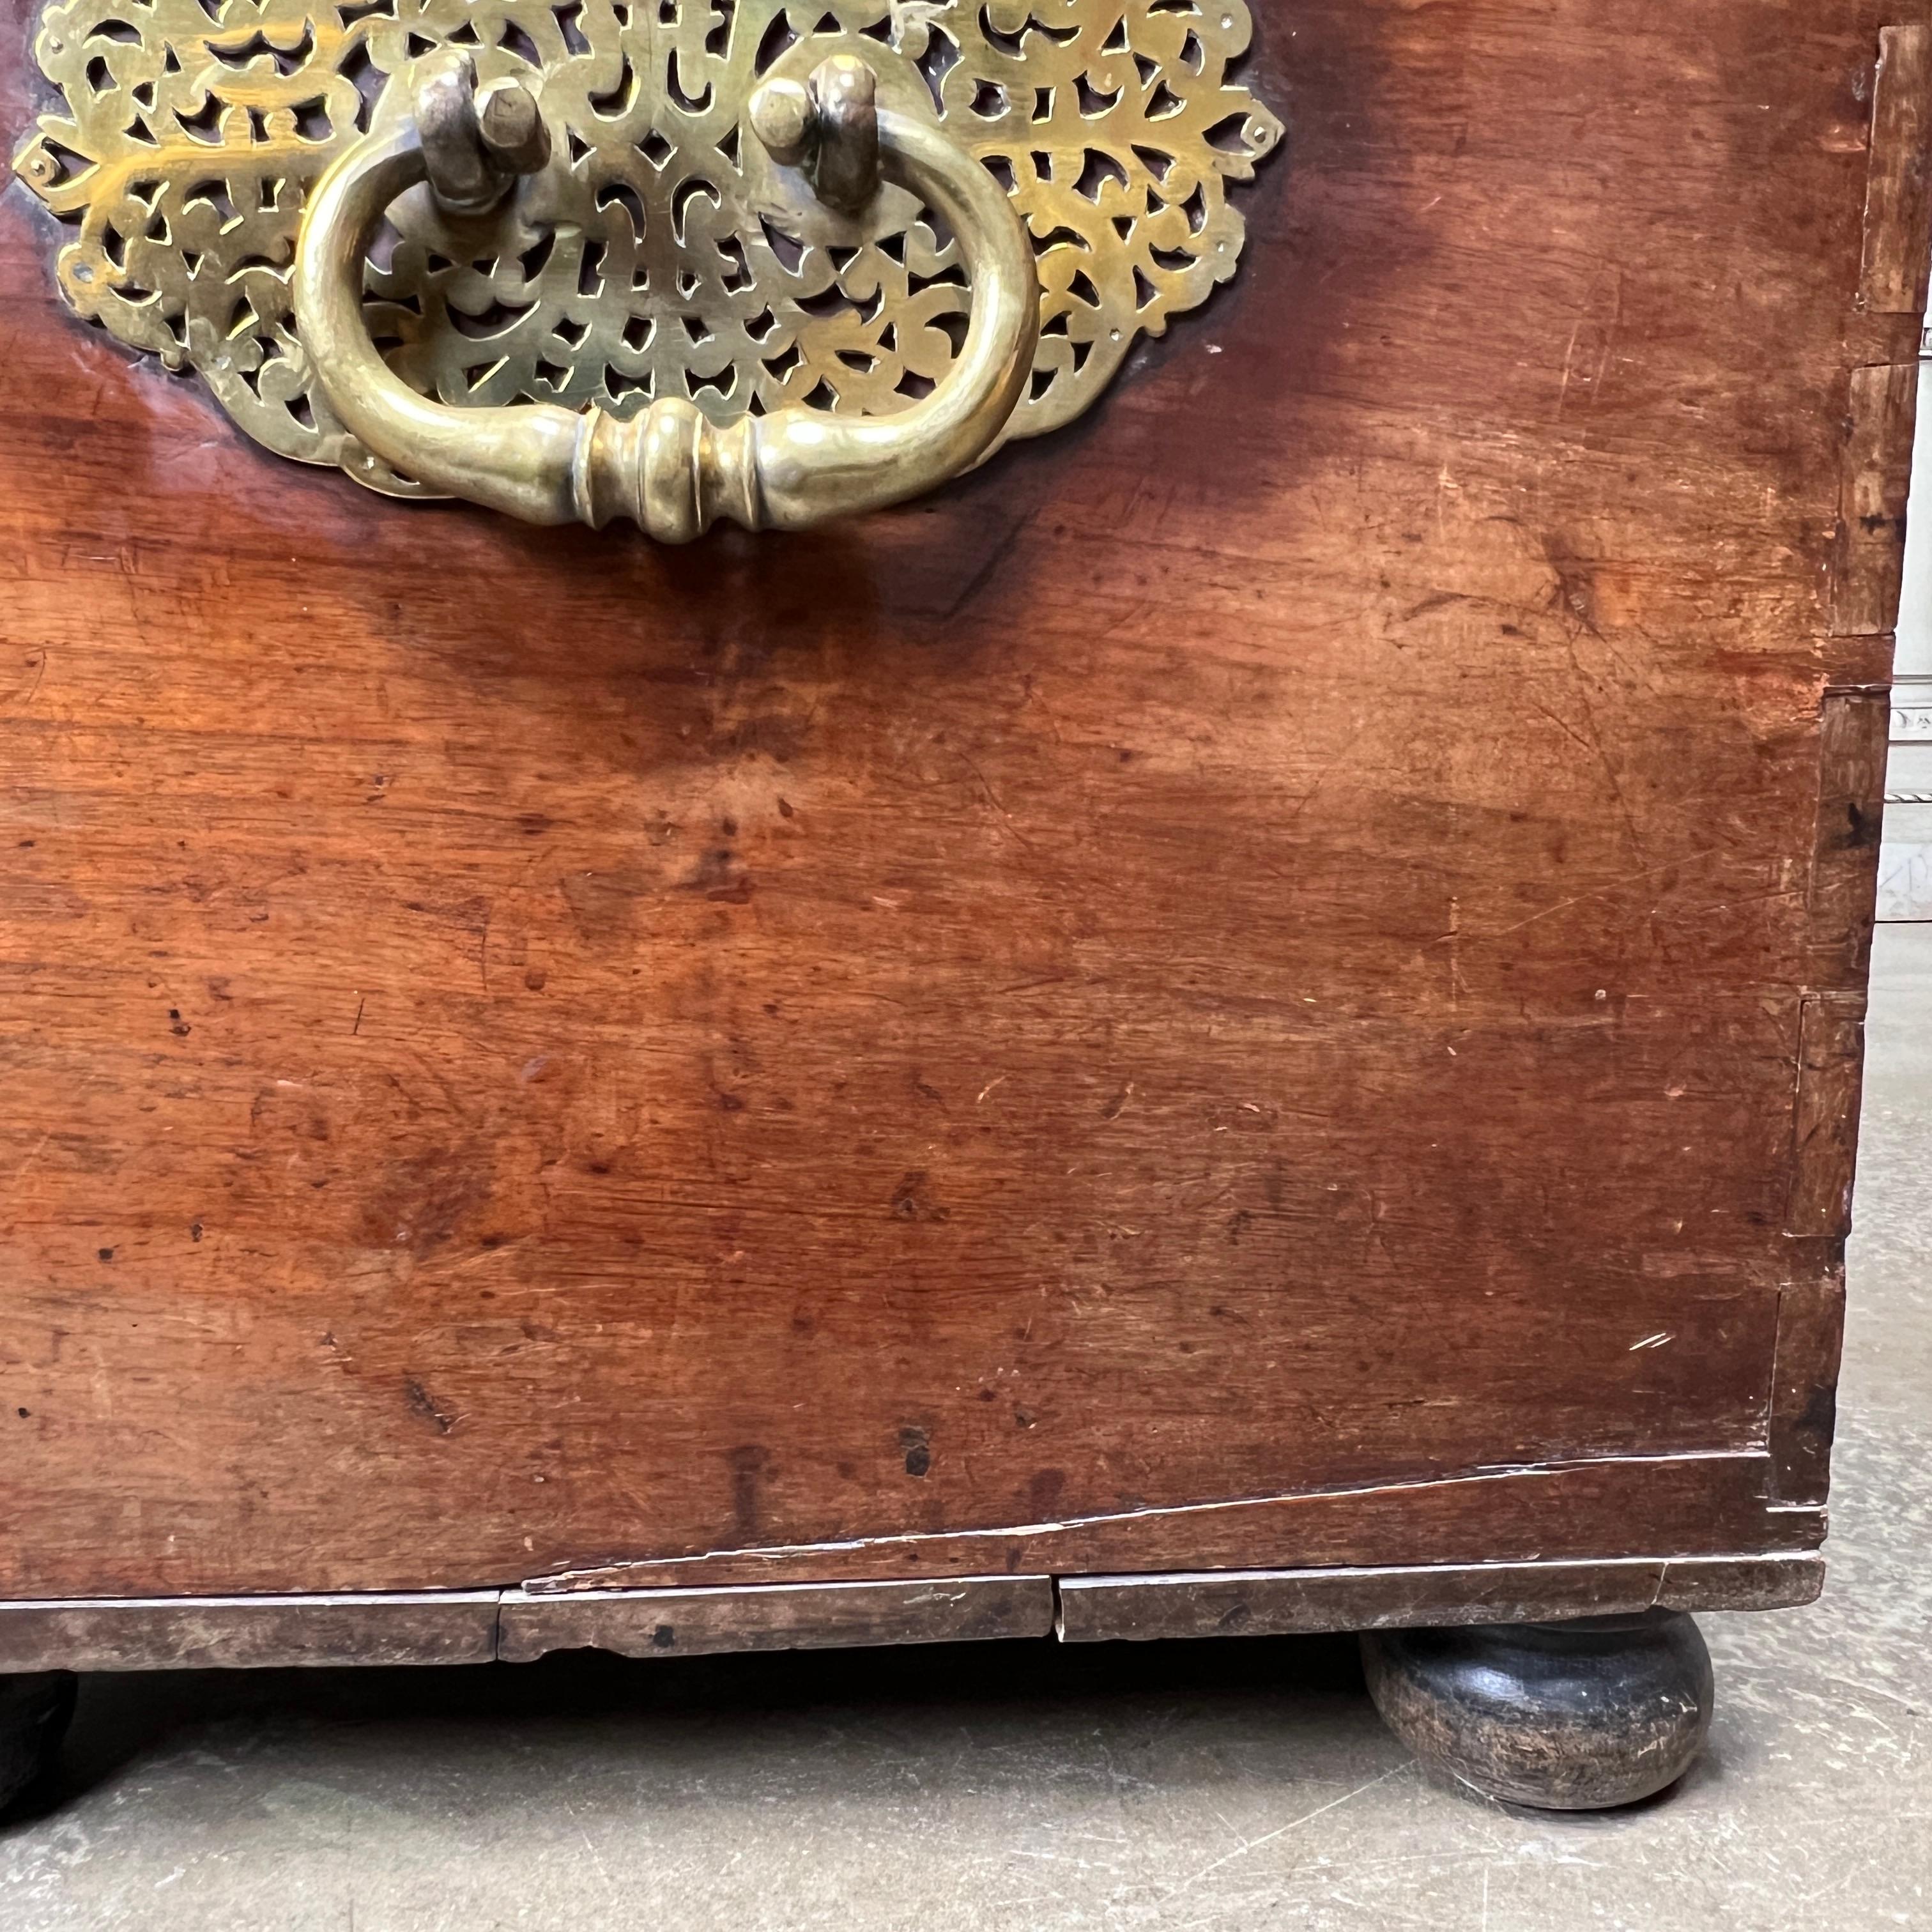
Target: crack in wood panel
pixel 1703 1501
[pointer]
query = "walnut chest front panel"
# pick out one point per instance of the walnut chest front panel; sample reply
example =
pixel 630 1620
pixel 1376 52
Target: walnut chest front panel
pixel 1272 980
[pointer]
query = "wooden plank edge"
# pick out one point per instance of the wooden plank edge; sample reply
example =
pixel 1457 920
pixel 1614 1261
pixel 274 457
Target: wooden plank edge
pixel 1898 182
pixel 1805 1375
pixel 249 1632
pixel 705 1621
pixel 1841 891
pixel 1867 570
pixel 1825 1115
pixel 1286 1602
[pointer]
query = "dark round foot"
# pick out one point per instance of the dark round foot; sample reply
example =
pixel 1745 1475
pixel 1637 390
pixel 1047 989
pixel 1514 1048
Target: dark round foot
pixel 1573 1717
pixel 34 1715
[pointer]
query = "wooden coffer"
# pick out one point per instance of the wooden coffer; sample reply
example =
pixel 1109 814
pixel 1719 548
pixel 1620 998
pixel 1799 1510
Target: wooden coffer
pixel 1267 988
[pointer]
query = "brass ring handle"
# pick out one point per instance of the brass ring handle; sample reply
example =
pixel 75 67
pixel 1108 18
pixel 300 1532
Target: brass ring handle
pixel 671 469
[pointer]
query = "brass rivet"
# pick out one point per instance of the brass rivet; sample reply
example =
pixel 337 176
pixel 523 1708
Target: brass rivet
pixel 512 126
pixel 784 119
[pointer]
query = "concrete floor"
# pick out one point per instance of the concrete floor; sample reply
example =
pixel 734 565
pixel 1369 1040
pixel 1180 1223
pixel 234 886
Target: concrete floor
pixel 1242 1785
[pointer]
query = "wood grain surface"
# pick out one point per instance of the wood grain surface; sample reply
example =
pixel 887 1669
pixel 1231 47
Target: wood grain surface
pixel 1254 950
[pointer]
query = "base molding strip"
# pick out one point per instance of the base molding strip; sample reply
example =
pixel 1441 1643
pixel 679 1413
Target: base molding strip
pixel 510 1626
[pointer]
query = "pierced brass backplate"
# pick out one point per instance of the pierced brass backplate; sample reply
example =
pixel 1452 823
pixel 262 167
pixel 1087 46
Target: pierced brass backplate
pixel 663 252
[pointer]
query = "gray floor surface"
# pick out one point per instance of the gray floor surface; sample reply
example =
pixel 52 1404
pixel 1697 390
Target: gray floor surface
pixel 1229 1785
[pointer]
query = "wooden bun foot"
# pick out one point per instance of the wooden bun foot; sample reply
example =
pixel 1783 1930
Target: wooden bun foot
pixel 34 1715
pixel 1569 1716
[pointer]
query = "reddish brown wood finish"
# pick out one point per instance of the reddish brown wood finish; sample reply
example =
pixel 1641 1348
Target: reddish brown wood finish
pixel 1258 947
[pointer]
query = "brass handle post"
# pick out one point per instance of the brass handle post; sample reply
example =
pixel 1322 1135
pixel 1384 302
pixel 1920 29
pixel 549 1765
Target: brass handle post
pixel 671 469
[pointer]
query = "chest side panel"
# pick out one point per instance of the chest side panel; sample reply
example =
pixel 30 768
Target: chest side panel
pixel 1257 951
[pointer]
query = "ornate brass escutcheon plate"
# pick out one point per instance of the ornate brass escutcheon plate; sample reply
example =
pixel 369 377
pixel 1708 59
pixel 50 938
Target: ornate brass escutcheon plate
pixel 662 251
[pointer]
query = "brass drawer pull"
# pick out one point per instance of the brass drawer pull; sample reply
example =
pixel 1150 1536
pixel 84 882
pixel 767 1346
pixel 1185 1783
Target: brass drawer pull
pixel 670 469
pixel 663 250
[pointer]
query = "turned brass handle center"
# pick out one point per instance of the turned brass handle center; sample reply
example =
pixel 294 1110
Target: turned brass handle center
pixel 670 469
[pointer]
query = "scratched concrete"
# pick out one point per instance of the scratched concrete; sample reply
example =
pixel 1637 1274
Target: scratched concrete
pixel 1239 1785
